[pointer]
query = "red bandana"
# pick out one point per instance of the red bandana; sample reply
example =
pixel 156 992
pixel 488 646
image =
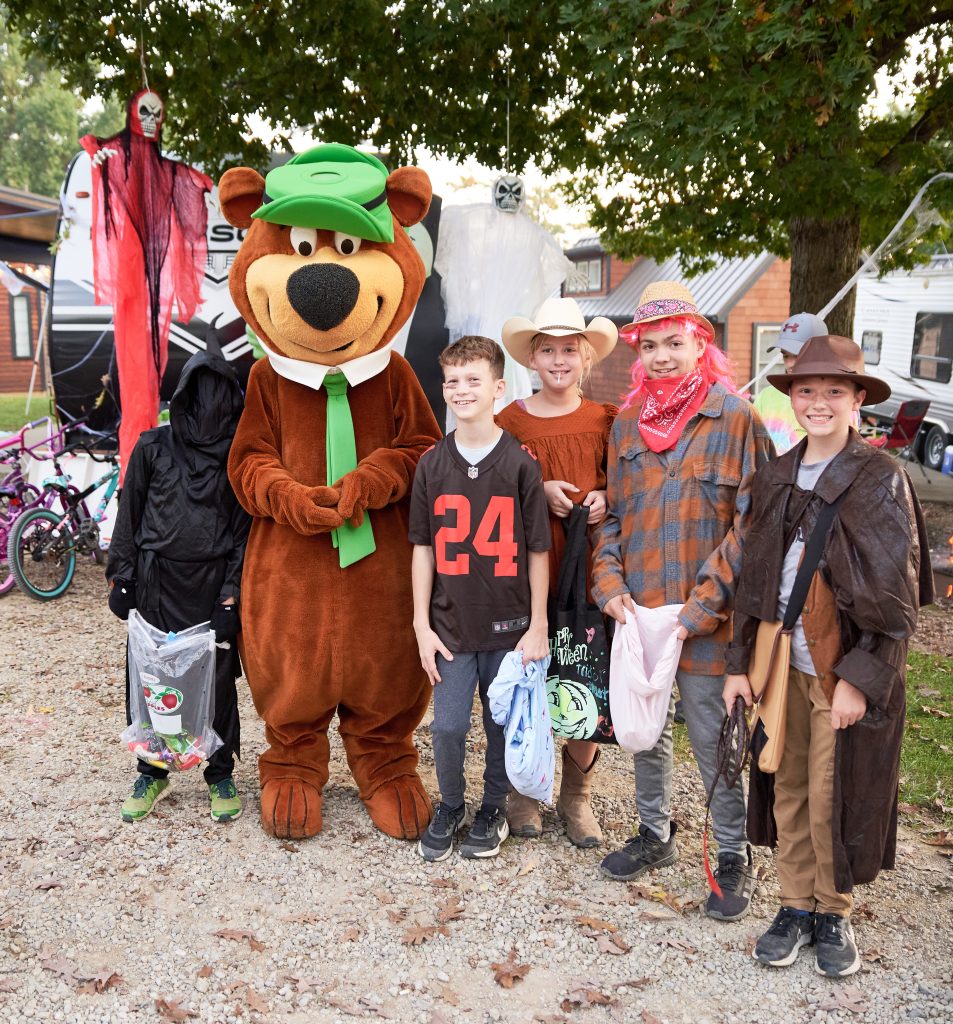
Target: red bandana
pixel 669 404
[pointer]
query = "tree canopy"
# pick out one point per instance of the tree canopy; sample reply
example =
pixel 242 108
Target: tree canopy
pixel 689 125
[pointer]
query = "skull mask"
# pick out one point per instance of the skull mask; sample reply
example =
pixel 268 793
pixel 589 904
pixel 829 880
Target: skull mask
pixel 146 114
pixel 508 193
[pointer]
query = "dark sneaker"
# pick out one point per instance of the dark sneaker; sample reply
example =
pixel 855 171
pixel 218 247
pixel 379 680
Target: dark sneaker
pixel 226 803
pixel 437 842
pixel 487 833
pixel 836 953
pixel 640 854
pixel 790 930
pixel 735 878
pixel 146 793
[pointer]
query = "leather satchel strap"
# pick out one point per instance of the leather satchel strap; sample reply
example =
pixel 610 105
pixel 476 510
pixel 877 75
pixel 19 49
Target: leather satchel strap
pixel 809 563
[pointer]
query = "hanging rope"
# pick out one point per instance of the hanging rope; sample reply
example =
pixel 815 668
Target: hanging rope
pixel 142 47
pixel 509 54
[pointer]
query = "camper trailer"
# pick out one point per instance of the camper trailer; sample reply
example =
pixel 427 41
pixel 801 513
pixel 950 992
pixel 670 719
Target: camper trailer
pixel 904 324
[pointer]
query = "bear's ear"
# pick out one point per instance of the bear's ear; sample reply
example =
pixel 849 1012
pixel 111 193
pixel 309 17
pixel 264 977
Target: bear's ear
pixel 239 194
pixel 408 195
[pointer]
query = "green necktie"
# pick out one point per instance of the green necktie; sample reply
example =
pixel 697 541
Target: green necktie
pixel 353 542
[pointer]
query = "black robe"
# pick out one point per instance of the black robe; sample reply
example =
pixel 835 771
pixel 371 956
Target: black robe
pixel 180 533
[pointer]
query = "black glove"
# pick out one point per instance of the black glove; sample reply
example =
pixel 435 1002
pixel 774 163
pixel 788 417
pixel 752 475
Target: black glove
pixel 122 598
pixel 225 622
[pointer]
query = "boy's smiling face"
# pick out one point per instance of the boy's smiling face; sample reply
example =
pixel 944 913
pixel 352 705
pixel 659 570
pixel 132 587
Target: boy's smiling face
pixel 826 406
pixel 667 352
pixel 471 389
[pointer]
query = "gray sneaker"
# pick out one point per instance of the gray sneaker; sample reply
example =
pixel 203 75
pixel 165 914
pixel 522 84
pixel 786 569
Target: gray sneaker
pixel 437 842
pixel 790 930
pixel 640 854
pixel 836 954
pixel 735 878
pixel 487 834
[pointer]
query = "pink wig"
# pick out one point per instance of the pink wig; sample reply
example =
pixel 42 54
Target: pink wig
pixel 713 362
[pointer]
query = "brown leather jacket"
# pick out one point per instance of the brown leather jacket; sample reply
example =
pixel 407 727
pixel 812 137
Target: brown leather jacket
pixel 860 614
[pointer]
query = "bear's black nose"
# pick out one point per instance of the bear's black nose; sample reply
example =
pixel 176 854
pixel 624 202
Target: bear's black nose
pixel 323 294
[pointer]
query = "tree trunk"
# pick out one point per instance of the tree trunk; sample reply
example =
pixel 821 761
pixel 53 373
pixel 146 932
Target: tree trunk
pixel 824 255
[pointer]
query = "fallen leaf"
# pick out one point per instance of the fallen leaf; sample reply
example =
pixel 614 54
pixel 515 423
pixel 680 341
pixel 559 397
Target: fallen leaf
pixel 656 915
pixel 351 1009
pixel 584 995
pixel 204 972
pixel 939 839
pixel 383 896
pixel 305 917
pixel 935 712
pixel 254 1001
pixel 850 998
pixel 865 912
pixel 597 924
pixel 638 983
pixel 238 934
pixel 509 971
pixel 681 944
pixel 649 1018
pixel 874 955
pixel 100 982
pixel 417 935
pixel 929 693
pixel 290 847
pixel 61 966
pixel 448 995
pixel 530 863
pixel 10 984
pixel 443 883
pixel 450 909
pixel 48 883
pixel 351 934
pixel 396 916
pixel 169 1009
pixel 613 944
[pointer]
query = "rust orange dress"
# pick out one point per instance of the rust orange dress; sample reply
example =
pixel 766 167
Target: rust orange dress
pixel 571 448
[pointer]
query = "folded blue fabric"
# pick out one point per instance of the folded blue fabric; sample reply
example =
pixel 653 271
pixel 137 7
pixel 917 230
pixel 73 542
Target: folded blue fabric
pixel 518 702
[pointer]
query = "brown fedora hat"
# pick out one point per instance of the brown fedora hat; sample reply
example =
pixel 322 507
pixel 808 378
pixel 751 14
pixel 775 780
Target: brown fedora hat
pixel 827 355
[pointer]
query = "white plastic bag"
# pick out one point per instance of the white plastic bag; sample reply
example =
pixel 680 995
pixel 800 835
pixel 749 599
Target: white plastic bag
pixel 518 702
pixel 171 695
pixel 642 667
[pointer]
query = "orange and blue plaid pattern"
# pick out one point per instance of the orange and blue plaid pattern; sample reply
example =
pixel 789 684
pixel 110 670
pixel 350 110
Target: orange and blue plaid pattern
pixel 671 533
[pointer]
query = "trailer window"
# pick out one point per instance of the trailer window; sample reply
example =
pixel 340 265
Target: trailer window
pixel 871 343
pixel 932 357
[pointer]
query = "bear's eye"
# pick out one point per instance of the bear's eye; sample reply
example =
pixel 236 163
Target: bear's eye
pixel 304 241
pixel 346 245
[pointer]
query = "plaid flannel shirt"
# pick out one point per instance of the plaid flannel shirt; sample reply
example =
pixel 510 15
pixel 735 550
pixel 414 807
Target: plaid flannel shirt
pixel 673 528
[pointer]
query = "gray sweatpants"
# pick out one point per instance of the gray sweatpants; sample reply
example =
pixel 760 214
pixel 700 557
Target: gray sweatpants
pixel 452 703
pixel 704 712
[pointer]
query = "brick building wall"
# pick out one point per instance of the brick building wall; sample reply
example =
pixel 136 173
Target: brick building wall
pixel 766 302
pixel 15 370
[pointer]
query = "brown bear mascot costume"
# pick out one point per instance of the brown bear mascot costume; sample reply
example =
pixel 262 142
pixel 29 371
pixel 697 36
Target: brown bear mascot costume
pixel 324 459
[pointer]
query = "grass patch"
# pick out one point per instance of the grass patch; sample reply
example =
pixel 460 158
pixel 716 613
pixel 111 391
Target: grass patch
pixel 12 405
pixel 926 761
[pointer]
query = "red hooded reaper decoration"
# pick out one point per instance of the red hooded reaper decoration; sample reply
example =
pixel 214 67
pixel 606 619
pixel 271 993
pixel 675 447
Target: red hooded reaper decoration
pixel 149 249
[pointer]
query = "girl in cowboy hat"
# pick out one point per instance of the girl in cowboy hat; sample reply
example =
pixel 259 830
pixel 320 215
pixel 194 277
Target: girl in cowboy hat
pixel 678 454
pixel 831 807
pixel 567 433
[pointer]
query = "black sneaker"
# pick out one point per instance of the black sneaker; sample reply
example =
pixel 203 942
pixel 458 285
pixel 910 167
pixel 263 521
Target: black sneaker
pixel 487 833
pixel 437 842
pixel 836 954
pixel 790 930
pixel 736 881
pixel 640 854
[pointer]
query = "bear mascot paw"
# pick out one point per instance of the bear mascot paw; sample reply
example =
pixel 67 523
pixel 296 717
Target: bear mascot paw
pixel 324 460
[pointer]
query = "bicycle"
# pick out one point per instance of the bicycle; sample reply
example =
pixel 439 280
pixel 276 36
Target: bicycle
pixel 17 494
pixel 43 544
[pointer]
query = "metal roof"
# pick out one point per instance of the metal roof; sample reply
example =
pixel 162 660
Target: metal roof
pixel 715 290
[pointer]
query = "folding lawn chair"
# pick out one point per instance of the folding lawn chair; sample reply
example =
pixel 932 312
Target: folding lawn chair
pixel 904 430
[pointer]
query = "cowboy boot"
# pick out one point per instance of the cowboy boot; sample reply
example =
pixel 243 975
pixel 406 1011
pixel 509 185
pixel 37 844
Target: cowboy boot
pixel 573 805
pixel 522 815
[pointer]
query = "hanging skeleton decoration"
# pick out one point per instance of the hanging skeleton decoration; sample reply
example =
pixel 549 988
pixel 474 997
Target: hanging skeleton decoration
pixel 149 251
pixel 509 193
pixel 148 113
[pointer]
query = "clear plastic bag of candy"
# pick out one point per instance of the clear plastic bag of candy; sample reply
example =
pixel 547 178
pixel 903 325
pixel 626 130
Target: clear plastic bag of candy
pixel 171 695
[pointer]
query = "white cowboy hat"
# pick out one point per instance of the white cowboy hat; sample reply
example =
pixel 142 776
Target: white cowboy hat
pixel 558 318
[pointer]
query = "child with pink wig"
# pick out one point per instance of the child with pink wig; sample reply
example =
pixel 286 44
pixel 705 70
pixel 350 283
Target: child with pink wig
pixel 680 458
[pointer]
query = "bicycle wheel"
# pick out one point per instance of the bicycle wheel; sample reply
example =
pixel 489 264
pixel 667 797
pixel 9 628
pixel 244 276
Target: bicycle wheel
pixel 7 581
pixel 43 563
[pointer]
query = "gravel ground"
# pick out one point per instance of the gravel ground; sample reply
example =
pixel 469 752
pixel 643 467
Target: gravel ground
pixel 179 919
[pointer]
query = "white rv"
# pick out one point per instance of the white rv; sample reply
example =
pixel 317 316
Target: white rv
pixel 904 323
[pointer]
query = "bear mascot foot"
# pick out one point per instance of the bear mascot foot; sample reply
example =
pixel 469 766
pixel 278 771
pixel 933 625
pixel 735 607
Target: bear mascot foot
pixel 290 808
pixel 400 808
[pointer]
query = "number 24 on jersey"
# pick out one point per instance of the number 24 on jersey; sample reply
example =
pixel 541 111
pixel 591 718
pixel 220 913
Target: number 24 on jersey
pixel 499 514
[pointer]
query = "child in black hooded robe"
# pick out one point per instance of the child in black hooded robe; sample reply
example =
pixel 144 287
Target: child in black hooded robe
pixel 177 550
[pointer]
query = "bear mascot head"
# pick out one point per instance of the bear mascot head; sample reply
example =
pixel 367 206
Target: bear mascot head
pixel 324 460
pixel 325 273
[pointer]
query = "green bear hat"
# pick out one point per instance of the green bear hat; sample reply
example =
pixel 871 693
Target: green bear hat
pixel 333 188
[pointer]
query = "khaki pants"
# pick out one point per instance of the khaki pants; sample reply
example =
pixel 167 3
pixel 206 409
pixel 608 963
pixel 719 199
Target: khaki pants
pixel 803 794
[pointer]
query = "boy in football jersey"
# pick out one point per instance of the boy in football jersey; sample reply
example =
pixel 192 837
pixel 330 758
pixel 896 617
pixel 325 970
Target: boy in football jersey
pixel 480 529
